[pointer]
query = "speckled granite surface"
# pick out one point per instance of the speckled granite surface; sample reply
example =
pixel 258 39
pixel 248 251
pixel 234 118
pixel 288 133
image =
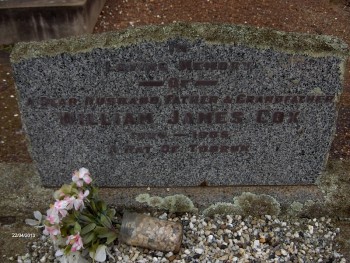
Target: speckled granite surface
pixel 181 105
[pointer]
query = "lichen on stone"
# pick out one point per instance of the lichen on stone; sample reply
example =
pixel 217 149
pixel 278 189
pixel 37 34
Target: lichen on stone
pixel 221 208
pixel 178 203
pixel 257 205
pixel 142 198
pixel 155 201
pixel 295 208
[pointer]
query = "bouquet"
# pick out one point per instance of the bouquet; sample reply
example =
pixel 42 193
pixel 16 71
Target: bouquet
pixel 78 222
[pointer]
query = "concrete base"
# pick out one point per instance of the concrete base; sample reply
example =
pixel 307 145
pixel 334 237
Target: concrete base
pixel 25 193
pixel 34 20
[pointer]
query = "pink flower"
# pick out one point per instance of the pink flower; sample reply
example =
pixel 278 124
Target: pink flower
pixel 61 206
pixel 79 202
pixel 76 242
pixel 51 230
pixel 52 216
pixel 81 176
pixel 70 201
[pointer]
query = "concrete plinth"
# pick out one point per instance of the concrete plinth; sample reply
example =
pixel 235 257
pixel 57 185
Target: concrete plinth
pixel 39 19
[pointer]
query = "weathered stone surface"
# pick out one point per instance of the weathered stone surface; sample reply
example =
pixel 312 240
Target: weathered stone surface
pixel 181 105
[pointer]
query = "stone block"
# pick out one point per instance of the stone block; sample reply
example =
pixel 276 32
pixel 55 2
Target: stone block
pixel 34 20
pixel 181 105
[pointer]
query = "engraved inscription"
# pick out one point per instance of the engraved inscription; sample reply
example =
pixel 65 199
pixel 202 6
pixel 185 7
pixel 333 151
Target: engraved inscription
pixel 91 111
pixel 191 65
pixel 45 102
pixel 86 119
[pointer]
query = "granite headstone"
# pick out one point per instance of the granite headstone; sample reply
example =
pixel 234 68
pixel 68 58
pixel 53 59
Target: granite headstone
pixel 181 105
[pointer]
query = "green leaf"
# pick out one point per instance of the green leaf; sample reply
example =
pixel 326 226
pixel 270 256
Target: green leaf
pixel 77 227
pixel 93 248
pixel 89 238
pixel 69 220
pixel 104 206
pixel 104 235
pixel 99 230
pixel 64 231
pixel 105 221
pixel 99 206
pixel 85 218
pixel 94 192
pixel 75 191
pixel 66 189
pixel 88 228
pixel 93 206
pixel 111 237
pixel 67 249
pixel 111 213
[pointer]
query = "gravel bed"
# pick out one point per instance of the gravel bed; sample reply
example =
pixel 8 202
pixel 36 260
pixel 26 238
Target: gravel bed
pixel 227 239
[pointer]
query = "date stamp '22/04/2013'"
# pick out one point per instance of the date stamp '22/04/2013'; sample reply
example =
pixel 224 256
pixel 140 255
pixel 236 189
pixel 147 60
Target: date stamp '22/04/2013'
pixel 23 235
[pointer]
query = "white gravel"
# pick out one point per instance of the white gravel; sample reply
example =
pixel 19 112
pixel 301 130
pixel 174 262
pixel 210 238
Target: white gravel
pixel 228 239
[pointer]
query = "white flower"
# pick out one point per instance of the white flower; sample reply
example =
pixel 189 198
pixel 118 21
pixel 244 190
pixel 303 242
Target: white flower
pixel 100 254
pixel 59 253
pixel 79 202
pixel 61 206
pixel 35 223
pixel 70 202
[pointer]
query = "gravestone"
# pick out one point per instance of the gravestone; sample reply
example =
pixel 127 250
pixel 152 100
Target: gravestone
pixel 181 105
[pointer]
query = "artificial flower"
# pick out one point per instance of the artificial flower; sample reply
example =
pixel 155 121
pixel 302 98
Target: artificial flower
pixel 70 201
pixel 35 223
pixel 79 202
pixel 81 176
pixel 52 216
pixel 76 242
pixel 51 230
pixel 61 206
pixel 100 254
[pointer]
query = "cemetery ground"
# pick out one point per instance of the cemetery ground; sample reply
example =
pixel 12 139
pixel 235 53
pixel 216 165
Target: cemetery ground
pixel 20 189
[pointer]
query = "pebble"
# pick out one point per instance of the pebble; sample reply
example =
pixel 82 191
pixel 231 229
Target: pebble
pixel 199 251
pixel 311 229
pixel 226 239
pixel 256 244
